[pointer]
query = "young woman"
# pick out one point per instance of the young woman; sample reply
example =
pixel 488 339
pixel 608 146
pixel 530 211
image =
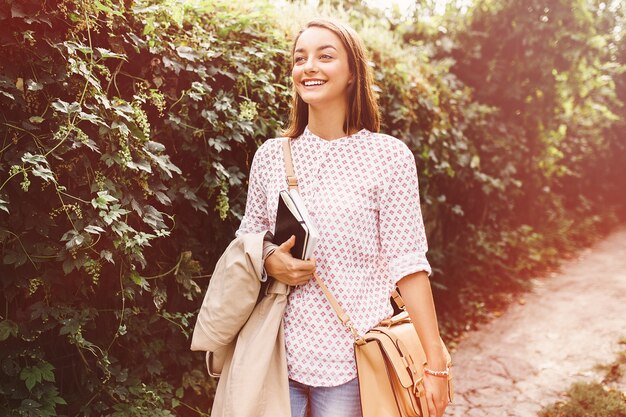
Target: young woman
pixel 361 189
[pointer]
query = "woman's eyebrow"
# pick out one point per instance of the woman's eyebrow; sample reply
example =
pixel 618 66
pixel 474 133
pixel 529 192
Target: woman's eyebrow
pixel 319 49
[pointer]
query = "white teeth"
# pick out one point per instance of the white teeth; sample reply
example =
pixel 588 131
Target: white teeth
pixel 310 83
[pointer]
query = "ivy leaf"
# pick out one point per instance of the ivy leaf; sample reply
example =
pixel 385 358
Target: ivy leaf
pixel 43 173
pixel 72 47
pixel 114 213
pixel 91 145
pixel 103 200
pixel 153 217
pixel 139 280
pixel 163 161
pixel 124 110
pixel 14 258
pixel 93 229
pixel 187 53
pixel 140 165
pixel 69 264
pixel 172 64
pixel 196 202
pixel 33 86
pixel 4 205
pixel 75 241
pixel 107 255
pixel 31 375
pixel 29 404
pixel 121 126
pixel 7 328
pixel 154 146
pixel 67 108
pixel 95 119
pixel 104 8
pixel 163 198
pixel 219 145
pixel 105 53
pixel 46 369
pixel 29 158
pixel 137 41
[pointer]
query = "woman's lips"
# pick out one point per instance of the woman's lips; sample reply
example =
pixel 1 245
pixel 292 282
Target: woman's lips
pixel 317 83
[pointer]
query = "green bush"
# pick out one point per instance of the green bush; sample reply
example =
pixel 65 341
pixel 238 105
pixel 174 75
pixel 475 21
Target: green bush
pixel 128 132
pixel 589 399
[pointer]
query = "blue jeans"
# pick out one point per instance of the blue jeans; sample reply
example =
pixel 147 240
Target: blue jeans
pixel 340 401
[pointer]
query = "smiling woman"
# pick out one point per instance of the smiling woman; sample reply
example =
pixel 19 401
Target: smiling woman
pixel 360 187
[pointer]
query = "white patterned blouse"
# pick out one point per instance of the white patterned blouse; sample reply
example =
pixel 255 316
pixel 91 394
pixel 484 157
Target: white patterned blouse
pixel 362 192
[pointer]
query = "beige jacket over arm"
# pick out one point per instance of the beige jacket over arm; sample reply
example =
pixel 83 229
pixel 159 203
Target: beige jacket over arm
pixel 244 339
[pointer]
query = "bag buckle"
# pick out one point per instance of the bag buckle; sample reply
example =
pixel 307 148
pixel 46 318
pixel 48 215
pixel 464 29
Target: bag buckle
pixel 355 334
pixel 418 388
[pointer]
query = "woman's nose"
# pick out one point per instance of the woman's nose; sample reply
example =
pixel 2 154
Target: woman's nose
pixel 309 65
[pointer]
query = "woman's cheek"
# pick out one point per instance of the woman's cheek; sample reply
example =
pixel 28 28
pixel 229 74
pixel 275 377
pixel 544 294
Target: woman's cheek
pixel 295 73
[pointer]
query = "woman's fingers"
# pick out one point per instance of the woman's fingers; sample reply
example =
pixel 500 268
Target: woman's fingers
pixel 439 409
pixel 304 277
pixel 288 244
pixel 430 402
pixel 285 268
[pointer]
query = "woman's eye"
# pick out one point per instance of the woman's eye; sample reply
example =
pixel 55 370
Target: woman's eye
pixel 326 56
pixel 298 59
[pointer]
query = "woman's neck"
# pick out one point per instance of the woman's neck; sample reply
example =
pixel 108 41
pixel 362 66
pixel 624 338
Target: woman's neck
pixel 327 122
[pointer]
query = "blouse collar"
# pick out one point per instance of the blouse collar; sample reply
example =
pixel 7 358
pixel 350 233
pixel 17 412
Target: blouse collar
pixel 307 134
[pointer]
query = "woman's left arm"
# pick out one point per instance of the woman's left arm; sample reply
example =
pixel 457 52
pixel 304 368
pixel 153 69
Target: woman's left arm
pixel 403 240
pixel 417 295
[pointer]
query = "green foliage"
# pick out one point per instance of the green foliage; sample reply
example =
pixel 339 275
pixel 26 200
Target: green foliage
pixel 540 119
pixel 589 399
pixel 127 132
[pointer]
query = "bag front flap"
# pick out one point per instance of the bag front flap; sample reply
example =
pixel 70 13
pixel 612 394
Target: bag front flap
pixel 402 348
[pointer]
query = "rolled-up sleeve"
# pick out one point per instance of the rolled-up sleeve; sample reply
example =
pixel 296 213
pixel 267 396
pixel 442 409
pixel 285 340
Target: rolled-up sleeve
pixel 401 227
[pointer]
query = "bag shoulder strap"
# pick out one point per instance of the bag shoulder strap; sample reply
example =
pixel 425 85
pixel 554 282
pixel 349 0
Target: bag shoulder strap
pixel 292 182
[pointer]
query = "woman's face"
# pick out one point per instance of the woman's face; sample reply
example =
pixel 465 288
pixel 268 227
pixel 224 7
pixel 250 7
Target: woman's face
pixel 321 72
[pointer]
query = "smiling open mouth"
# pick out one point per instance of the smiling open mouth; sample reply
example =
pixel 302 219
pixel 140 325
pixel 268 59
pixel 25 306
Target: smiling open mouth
pixel 312 83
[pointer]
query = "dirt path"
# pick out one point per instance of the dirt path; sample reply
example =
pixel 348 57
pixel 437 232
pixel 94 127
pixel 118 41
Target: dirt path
pixel 525 359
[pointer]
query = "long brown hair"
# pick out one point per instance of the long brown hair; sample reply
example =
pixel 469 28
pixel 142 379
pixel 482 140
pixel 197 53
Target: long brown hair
pixel 362 106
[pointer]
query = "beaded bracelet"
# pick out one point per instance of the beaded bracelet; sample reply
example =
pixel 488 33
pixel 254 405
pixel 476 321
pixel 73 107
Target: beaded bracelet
pixel 442 374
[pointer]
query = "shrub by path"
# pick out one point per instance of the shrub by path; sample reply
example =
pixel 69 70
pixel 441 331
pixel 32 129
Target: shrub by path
pixel 569 323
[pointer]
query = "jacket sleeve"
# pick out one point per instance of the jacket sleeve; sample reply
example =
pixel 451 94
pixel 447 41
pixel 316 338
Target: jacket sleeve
pixel 231 296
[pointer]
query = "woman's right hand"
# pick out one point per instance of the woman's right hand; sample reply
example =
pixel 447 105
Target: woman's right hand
pixel 285 268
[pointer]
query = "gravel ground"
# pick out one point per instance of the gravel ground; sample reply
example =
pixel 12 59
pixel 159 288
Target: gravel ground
pixel 570 322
